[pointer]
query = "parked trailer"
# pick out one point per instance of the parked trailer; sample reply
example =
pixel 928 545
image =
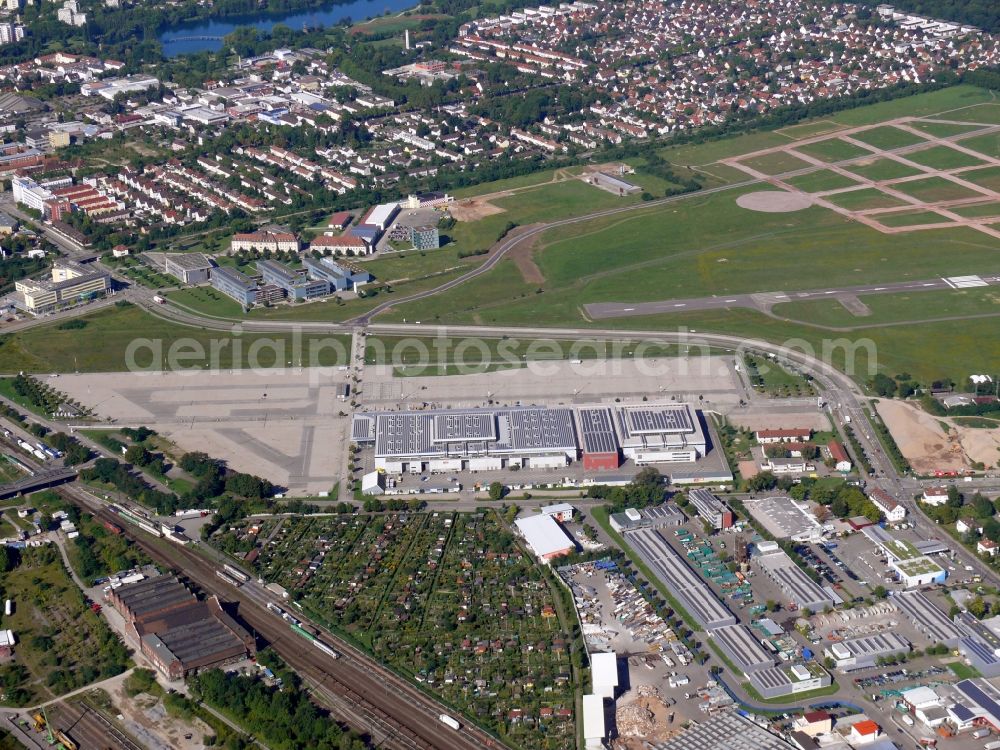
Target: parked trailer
pixel 449 721
pixel 40 455
pixel 8 608
pixel 275 608
pixel 236 573
pixel 995 745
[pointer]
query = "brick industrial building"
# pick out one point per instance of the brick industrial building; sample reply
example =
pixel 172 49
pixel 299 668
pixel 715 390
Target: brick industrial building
pixel 178 632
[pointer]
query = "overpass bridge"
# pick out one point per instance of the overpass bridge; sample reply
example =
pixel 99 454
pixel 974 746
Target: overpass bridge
pixel 40 481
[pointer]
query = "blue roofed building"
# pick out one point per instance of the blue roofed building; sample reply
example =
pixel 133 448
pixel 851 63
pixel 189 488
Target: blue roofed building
pixel 367 232
pixel 297 284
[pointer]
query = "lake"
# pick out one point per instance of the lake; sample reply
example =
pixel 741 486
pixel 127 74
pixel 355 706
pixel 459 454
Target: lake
pixel 181 39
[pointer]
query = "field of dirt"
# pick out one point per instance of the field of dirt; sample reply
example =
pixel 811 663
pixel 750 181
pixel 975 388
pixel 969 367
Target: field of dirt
pixel 473 209
pixel 980 444
pixel 523 257
pixel 922 439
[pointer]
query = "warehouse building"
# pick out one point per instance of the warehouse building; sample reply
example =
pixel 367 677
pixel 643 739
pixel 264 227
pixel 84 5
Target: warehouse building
pixel 910 563
pixel 530 437
pixel 684 584
pixel 179 633
pixel 663 516
pixel 929 619
pixel 660 433
pixel 742 648
pixel 712 509
pixel 545 536
pixel 190 268
pixel 70 283
pixel 802 591
pixel 474 440
pixel 598 442
pixel 789 679
pixel 727 731
pixel 981 703
pixel 381 216
pixel 863 652
pixel 594 730
pixel 785 519
pixel 604 674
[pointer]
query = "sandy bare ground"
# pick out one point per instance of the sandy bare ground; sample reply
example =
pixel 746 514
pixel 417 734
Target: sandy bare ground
pixel 949 218
pixel 473 209
pixel 146 719
pixel 774 201
pixel 523 256
pixel 922 439
pixel 979 444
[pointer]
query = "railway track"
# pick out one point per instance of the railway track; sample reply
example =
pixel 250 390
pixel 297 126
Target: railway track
pixel 368 697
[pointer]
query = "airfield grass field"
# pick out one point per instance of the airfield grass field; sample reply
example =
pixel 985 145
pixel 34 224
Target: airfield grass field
pixel 977 210
pixel 988 177
pixel 988 145
pixel 821 181
pixel 832 149
pixel 910 218
pixel 707 245
pixel 936 189
pixel 887 136
pixel 942 157
pixel 883 169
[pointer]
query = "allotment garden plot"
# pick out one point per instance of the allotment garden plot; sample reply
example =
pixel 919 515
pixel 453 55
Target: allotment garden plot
pixel 449 599
pixel 902 175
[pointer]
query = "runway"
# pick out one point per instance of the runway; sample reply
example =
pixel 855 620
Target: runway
pixel 764 301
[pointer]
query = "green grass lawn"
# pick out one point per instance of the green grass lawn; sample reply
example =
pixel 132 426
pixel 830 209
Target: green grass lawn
pixel 895 308
pixel 988 145
pixel 821 181
pixel 987 113
pixel 809 129
pixel 943 101
pixel 943 157
pixel 832 149
pixel 206 300
pixel 104 344
pixel 935 189
pixel 963 671
pixel 987 178
pixel 776 163
pixel 859 200
pixel 887 137
pixel 942 129
pixel 977 210
pixel 883 169
pixel 911 218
